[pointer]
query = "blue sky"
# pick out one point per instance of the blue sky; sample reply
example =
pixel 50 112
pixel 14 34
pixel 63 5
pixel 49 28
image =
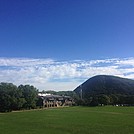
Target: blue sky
pixel 65 31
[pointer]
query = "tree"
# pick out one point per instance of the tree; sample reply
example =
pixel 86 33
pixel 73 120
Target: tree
pixel 30 94
pixel 94 101
pixel 39 102
pixel 103 99
pixel 10 97
pixel 114 99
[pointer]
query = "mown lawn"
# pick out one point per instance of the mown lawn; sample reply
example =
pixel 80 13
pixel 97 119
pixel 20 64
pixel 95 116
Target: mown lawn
pixel 70 120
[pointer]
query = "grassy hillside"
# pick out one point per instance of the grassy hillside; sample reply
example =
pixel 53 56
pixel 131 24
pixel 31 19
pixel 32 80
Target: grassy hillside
pixel 71 120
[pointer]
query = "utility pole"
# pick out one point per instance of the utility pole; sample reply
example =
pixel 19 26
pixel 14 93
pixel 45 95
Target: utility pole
pixel 81 92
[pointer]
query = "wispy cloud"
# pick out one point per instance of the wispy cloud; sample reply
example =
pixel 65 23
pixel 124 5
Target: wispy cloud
pixel 48 74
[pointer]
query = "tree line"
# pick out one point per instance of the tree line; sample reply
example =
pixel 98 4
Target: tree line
pixel 20 97
pixel 17 98
pixel 104 99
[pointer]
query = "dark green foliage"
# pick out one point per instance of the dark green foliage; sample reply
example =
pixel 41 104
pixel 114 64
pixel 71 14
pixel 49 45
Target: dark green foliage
pixel 10 97
pixel 30 94
pixel 94 101
pixel 103 99
pixel 39 102
pixel 106 90
pixel 16 98
pixel 114 99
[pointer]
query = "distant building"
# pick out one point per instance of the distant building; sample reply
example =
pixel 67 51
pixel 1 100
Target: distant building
pixel 49 100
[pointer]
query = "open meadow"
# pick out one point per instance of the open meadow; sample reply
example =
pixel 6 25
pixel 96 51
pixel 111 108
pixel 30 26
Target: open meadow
pixel 69 120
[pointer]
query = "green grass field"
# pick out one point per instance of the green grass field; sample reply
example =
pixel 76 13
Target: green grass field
pixel 70 120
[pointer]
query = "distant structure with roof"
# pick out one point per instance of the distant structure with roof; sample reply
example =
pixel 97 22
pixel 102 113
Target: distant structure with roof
pixel 50 100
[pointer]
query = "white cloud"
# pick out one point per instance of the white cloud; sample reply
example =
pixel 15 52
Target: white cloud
pixel 48 74
pixel 24 62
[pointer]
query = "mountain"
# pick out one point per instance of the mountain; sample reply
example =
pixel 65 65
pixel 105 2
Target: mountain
pixel 106 84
